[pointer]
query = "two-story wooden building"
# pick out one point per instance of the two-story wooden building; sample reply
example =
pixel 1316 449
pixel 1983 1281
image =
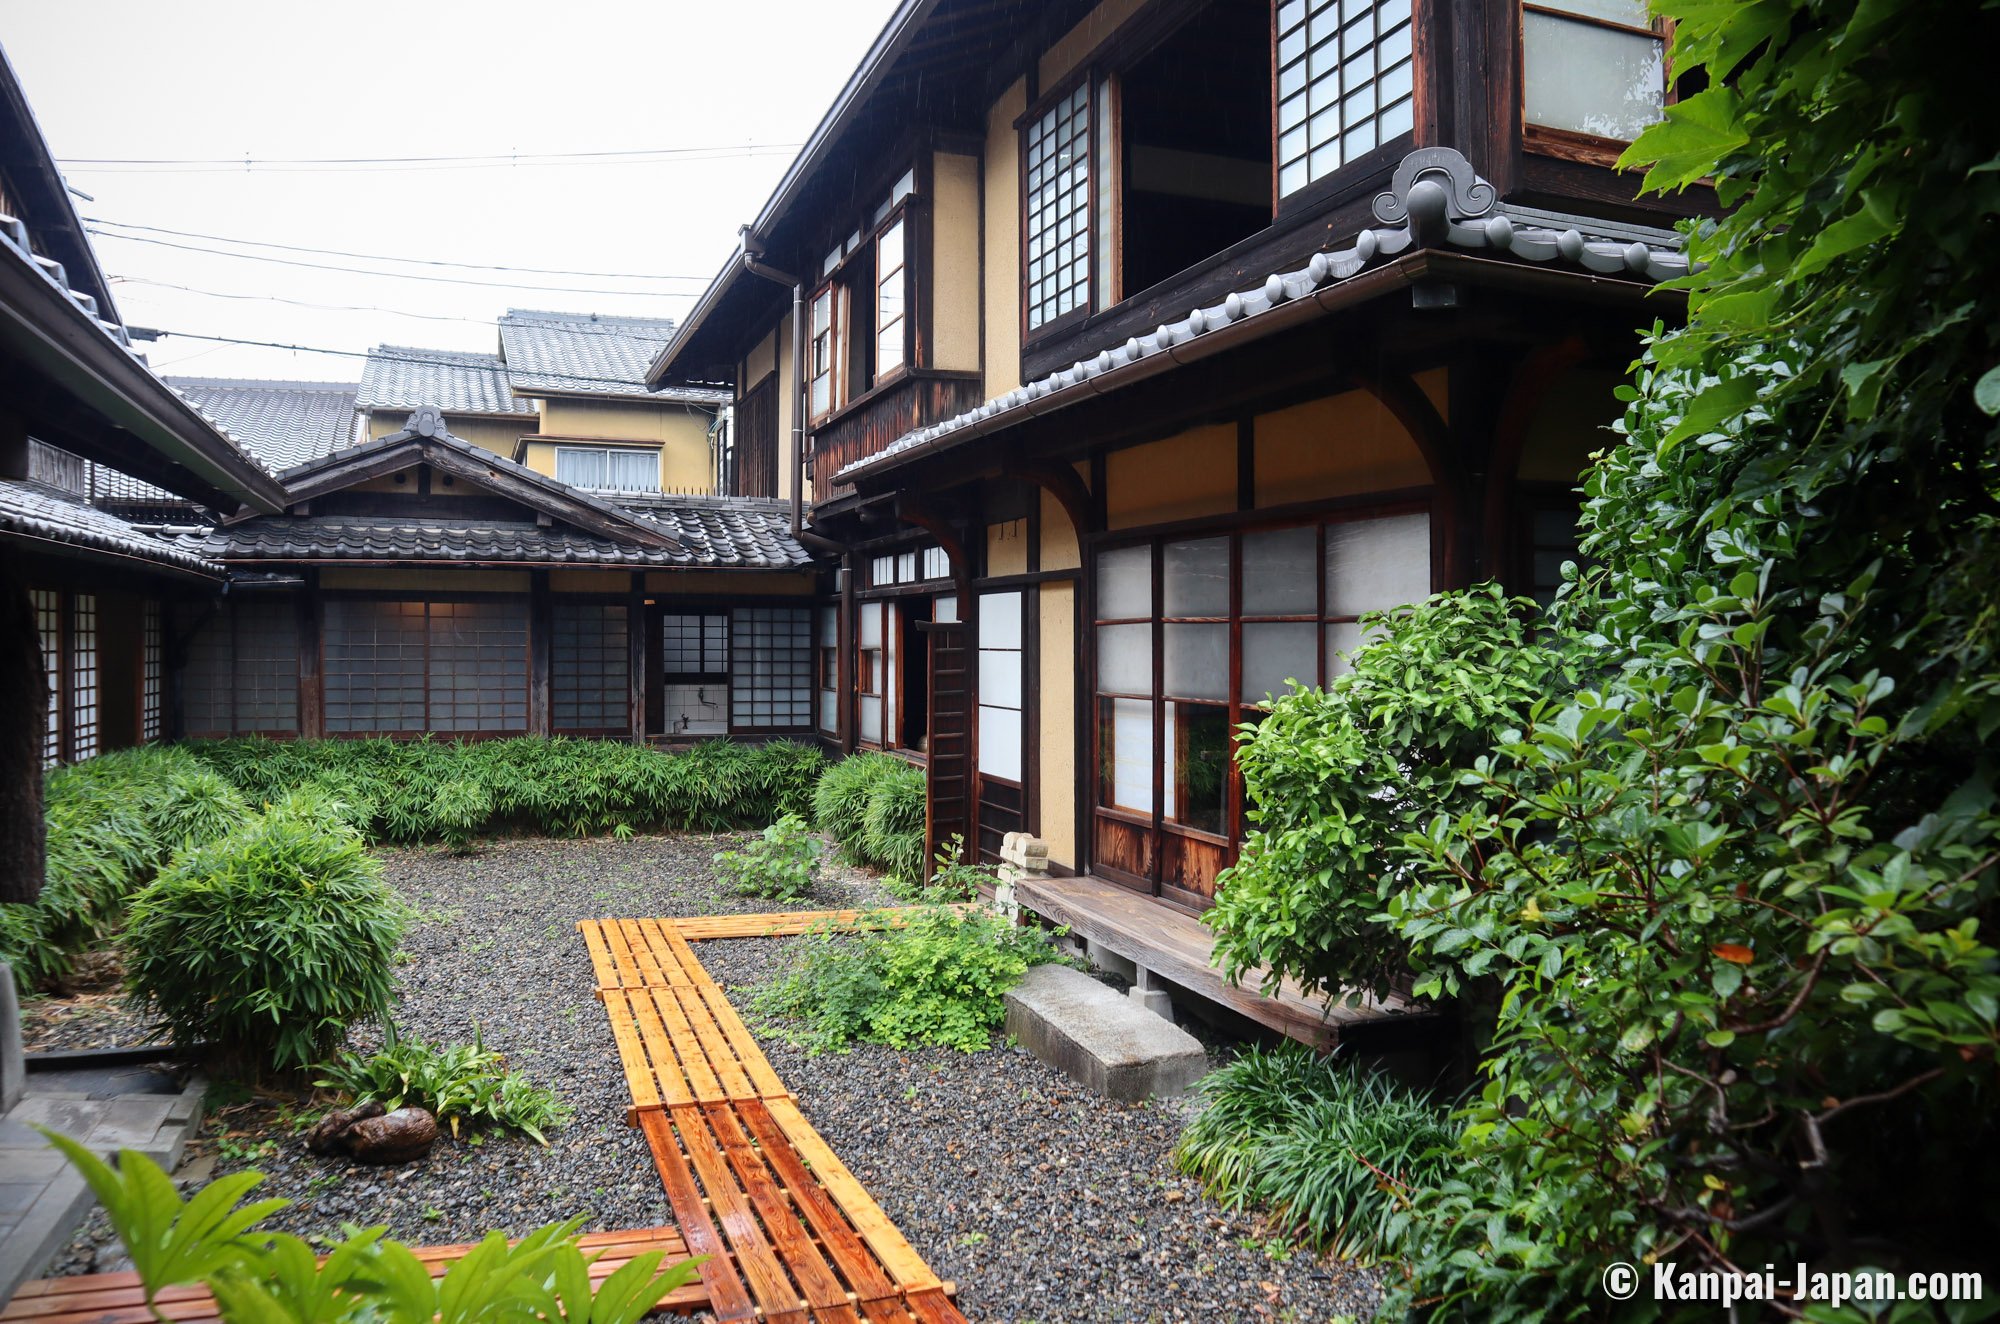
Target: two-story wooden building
pixel 1124 354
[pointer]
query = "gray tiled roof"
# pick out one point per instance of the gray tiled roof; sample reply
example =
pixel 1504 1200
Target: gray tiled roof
pixel 48 514
pixel 590 354
pixel 283 423
pixel 712 538
pixel 1435 199
pixel 724 531
pixel 408 377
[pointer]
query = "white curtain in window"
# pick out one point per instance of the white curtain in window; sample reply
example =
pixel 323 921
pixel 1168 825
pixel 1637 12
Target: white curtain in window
pixel 633 471
pixel 580 468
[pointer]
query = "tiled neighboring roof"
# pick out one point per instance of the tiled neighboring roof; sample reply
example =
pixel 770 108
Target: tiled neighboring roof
pixel 725 531
pixel 49 514
pixel 407 377
pixel 283 423
pixel 1435 199
pixel 581 353
pixel 714 539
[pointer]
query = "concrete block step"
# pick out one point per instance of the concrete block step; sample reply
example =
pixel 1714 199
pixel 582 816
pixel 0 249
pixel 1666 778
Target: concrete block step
pixel 1107 1042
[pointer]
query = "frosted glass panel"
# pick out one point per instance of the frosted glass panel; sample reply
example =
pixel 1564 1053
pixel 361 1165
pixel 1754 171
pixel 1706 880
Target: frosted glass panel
pixel 1000 620
pixel 1197 661
pixel 1125 659
pixel 1197 577
pixel 1000 742
pixel 829 627
pixel 947 609
pixel 828 711
pixel 1341 639
pixel 1274 653
pixel 1280 574
pixel 1125 583
pixel 1125 743
pixel 1000 678
pixel 871 625
pixel 871 718
pixel 1591 79
pixel 1632 13
pixel 1377 563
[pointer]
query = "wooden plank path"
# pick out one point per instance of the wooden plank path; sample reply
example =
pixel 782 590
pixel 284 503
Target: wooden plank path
pixel 794 1238
pixel 117 1298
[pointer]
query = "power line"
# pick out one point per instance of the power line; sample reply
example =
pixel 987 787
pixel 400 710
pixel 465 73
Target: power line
pixel 359 271
pixel 302 303
pixel 400 164
pixel 378 257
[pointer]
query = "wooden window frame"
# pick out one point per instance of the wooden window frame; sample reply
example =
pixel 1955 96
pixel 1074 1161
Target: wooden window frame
pixel 425 601
pixel 836 296
pixel 1087 77
pixel 898 216
pixel 1568 144
pixel 837 276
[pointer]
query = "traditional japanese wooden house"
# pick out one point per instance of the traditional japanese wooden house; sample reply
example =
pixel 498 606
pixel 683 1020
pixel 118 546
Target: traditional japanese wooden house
pixel 1127 353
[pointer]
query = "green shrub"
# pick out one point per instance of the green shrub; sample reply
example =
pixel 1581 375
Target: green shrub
pixel 459 810
pixel 953 877
pixel 840 800
pixel 276 1278
pixel 464 1083
pixel 195 806
pixel 1334 778
pixel 267 944
pixel 893 826
pixel 939 978
pixel 779 865
pixel 1327 1147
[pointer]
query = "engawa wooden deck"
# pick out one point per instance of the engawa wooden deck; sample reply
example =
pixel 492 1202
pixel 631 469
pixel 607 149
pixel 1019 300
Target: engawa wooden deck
pixel 793 1237
pixel 116 1298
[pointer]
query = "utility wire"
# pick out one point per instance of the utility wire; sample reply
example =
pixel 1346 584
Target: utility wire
pixel 378 257
pixel 397 164
pixel 302 303
pixel 358 271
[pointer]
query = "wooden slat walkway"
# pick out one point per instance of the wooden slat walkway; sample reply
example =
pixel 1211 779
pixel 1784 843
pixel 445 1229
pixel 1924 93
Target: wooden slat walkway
pixel 794 1238
pixel 116 1298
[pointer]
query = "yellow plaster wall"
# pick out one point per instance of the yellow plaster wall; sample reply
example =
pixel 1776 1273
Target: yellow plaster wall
pixel 1059 549
pixel 788 461
pixel 495 434
pixel 665 583
pixel 540 456
pixel 684 456
pixel 1069 50
pixel 1572 421
pixel 1002 263
pixel 1340 445
pixel 1057 698
pixel 425 581
pixel 1184 476
pixel 1007 548
pixel 590 581
pixel 954 262
pixel 759 363
pixel 618 420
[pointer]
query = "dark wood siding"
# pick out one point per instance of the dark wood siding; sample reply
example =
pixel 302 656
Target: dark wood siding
pixel 868 426
pixel 754 472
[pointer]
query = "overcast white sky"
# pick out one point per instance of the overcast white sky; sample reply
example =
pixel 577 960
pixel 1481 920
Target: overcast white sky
pixel 745 79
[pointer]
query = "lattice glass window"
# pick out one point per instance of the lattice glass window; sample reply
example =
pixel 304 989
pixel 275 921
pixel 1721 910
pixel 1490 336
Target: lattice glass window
pixel 1346 84
pixel 374 667
pixel 937 565
pixel 83 690
pixel 206 682
pixel 695 645
pixel 1000 690
pixel 48 626
pixel 771 676
pixel 266 678
pixel 590 676
pixel 151 658
pixel 479 667
pixel 1057 217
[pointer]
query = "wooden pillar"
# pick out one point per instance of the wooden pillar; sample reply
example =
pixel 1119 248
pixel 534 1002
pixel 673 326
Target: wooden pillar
pixel 844 714
pixel 24 696
pixel 312 674
pixel 635 664
pixel 541 626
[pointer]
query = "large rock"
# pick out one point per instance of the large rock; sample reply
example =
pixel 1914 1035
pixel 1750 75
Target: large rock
pixel 397 1137
pixel 329 1133
pixel 1109 1043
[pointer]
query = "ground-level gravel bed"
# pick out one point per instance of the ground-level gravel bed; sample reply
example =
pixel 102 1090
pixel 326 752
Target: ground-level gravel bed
pixel 1041 1201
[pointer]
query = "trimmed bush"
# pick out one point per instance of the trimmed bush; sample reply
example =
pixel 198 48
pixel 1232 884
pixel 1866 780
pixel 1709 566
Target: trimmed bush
pixel 268 943
pixel 1328 1148
pixel 873 805
pixel 937 979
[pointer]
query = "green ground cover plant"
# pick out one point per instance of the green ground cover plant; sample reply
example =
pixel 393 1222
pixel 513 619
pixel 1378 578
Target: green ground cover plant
pixel 939 978
pixel 459 1084
pixel 780 864
pixel 457 792
pixel 263 1277
pixel 268 943
pixel 873 805
pixel 1331 1149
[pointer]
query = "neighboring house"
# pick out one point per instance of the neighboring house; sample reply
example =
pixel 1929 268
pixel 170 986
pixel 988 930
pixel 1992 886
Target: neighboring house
pixel 1143 346
pixel 567 396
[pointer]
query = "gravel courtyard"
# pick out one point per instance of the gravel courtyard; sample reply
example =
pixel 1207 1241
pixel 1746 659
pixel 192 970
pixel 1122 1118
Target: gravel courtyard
pixel 1043 1202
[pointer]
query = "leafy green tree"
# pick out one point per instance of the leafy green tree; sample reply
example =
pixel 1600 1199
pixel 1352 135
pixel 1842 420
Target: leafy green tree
pixel 1740 897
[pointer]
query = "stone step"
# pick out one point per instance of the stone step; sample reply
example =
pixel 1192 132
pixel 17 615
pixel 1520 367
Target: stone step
pixel 1107 1042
